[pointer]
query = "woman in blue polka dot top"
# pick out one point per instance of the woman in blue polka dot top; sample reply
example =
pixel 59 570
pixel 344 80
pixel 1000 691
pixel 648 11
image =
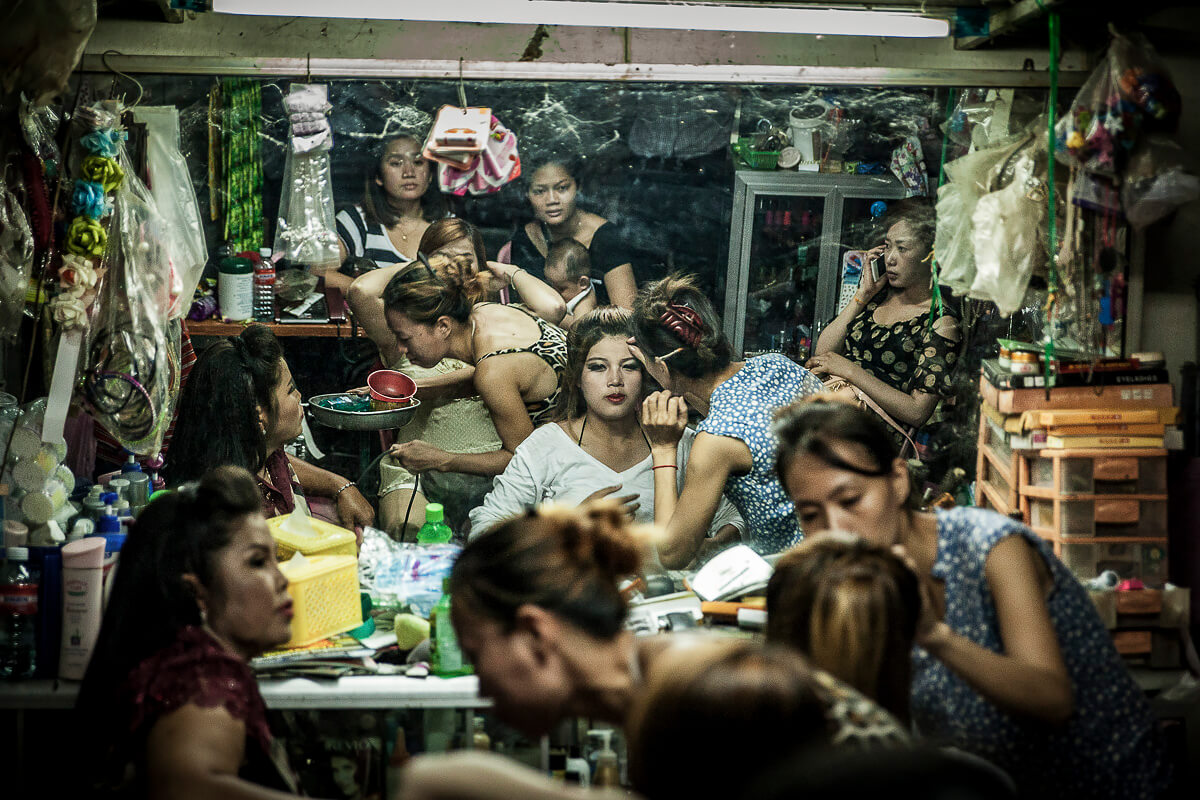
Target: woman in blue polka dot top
pixel 1012 661
pixel 677 336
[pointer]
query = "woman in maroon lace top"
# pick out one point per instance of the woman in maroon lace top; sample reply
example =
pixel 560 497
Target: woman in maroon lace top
pixel 169 706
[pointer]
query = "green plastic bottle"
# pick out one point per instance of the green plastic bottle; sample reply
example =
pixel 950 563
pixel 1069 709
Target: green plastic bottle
pixel 434 531
pixel 445 656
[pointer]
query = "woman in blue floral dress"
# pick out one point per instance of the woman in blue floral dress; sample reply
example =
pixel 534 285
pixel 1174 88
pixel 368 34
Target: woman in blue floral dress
pixel 1011 661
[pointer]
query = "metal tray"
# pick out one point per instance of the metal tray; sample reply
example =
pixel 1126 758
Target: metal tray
pixel 360 420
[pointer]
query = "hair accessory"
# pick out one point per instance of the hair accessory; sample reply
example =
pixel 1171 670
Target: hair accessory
pixel 684 322
pixel 425 260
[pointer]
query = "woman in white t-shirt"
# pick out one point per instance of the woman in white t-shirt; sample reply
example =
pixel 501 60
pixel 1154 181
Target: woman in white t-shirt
pixel 598 448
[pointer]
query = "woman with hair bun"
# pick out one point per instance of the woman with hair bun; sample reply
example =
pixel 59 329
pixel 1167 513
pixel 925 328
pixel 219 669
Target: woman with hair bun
pixel 677 337
pixel 435 310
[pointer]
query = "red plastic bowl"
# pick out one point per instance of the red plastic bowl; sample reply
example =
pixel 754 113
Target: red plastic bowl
pixel 390 386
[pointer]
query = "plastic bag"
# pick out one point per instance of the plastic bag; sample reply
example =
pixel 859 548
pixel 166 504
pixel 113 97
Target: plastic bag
pixel 1006 231
pixel 403 575
pixel 1159 179
pixel 969 178
pixel 132 357
pixel 306 232
pixel 16 261
pixel 1129 90
pixel 176 201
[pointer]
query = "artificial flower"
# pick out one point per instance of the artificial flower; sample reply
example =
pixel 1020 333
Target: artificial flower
pixel 102 142
pixel 105 171
pixel 76 271
pixel 69 310
pixel 86 237
pixel 89 199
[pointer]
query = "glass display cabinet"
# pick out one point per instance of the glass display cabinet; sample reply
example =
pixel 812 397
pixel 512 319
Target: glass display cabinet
pixel 788 234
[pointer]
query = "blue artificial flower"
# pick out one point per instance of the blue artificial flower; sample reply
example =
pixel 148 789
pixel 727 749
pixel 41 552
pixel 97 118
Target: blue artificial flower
pixel 89 199
pixel 102 142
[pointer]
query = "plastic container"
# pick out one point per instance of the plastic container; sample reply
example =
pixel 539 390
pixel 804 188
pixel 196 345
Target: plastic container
pixel 803 124
pixel 325 595
pixel 18 615
pixel 1112 517
pixel 1023 363
pixel 322 538
pixel 235 289
pixel 755 159
pixel 1145 561
pixel 82 585
pixel 390 389
pixel 434 531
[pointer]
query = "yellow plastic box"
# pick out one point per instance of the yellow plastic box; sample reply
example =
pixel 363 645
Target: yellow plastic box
pixel 326 539
pixel 325 596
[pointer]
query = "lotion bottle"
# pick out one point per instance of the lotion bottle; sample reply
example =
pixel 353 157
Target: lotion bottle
pixel 82 579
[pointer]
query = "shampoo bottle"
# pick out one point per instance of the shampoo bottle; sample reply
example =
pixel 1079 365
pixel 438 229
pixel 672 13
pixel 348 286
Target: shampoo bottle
pixel 608 771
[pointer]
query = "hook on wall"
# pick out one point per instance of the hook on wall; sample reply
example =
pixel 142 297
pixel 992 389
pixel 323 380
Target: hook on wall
pixel 104 60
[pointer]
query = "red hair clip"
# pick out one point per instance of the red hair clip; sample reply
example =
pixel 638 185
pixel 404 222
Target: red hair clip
pixel 684 322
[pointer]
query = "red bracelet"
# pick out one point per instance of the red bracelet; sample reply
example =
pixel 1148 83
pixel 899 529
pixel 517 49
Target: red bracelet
pixel 664 466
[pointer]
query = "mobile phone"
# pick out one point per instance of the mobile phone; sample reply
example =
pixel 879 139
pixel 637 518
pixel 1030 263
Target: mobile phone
pixel 877 268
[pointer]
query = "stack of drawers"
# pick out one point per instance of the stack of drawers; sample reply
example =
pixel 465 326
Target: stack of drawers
pixel 1102 509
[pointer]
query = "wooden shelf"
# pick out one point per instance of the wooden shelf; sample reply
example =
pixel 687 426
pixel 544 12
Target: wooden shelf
pixel 325 330
pixel 1058 538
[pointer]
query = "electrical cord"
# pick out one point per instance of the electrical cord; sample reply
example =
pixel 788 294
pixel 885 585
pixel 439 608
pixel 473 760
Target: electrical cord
pixel 416 485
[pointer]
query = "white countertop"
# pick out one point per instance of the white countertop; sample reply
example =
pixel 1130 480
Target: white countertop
pixel 364 691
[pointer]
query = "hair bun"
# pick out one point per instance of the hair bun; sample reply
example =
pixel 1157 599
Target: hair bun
pixel 597 536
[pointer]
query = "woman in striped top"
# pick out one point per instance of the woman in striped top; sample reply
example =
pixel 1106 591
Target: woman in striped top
pixel 397 206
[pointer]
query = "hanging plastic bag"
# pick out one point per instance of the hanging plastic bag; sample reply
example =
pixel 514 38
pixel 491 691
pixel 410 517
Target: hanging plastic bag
pixel 1129 90
pixel 1160 178
pixel 306 232
pixel 16 261
pixel 1007 226
pixel 131 362
pixel 176 202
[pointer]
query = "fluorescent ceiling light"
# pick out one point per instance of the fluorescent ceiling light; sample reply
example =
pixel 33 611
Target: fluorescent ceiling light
pixel 608 14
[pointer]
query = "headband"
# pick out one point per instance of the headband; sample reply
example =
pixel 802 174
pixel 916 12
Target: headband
pixel 684 322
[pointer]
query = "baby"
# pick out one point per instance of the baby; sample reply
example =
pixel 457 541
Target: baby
pixel 568 270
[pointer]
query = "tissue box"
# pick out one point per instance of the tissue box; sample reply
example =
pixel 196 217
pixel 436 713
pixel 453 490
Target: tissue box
pixel 324 538
pixel 325 596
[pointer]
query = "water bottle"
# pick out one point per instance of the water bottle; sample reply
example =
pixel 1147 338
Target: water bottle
pixel 434 531
pixel 18 615
pixel 264 287
pixel 445 656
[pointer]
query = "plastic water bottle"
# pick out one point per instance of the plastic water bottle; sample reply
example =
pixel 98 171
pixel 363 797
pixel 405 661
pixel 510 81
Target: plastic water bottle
pixel 434 531
pixel 445 655
pixel 18 615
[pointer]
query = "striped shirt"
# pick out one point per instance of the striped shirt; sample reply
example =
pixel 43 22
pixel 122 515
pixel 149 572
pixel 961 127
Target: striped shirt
pixel 369 240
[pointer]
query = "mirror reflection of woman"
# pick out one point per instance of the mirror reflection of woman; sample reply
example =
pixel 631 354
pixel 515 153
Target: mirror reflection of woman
pixel 886 342
pixel 436 310
pixel 552 192
pixel 398 204
pixel 677 337
pixel 598 449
